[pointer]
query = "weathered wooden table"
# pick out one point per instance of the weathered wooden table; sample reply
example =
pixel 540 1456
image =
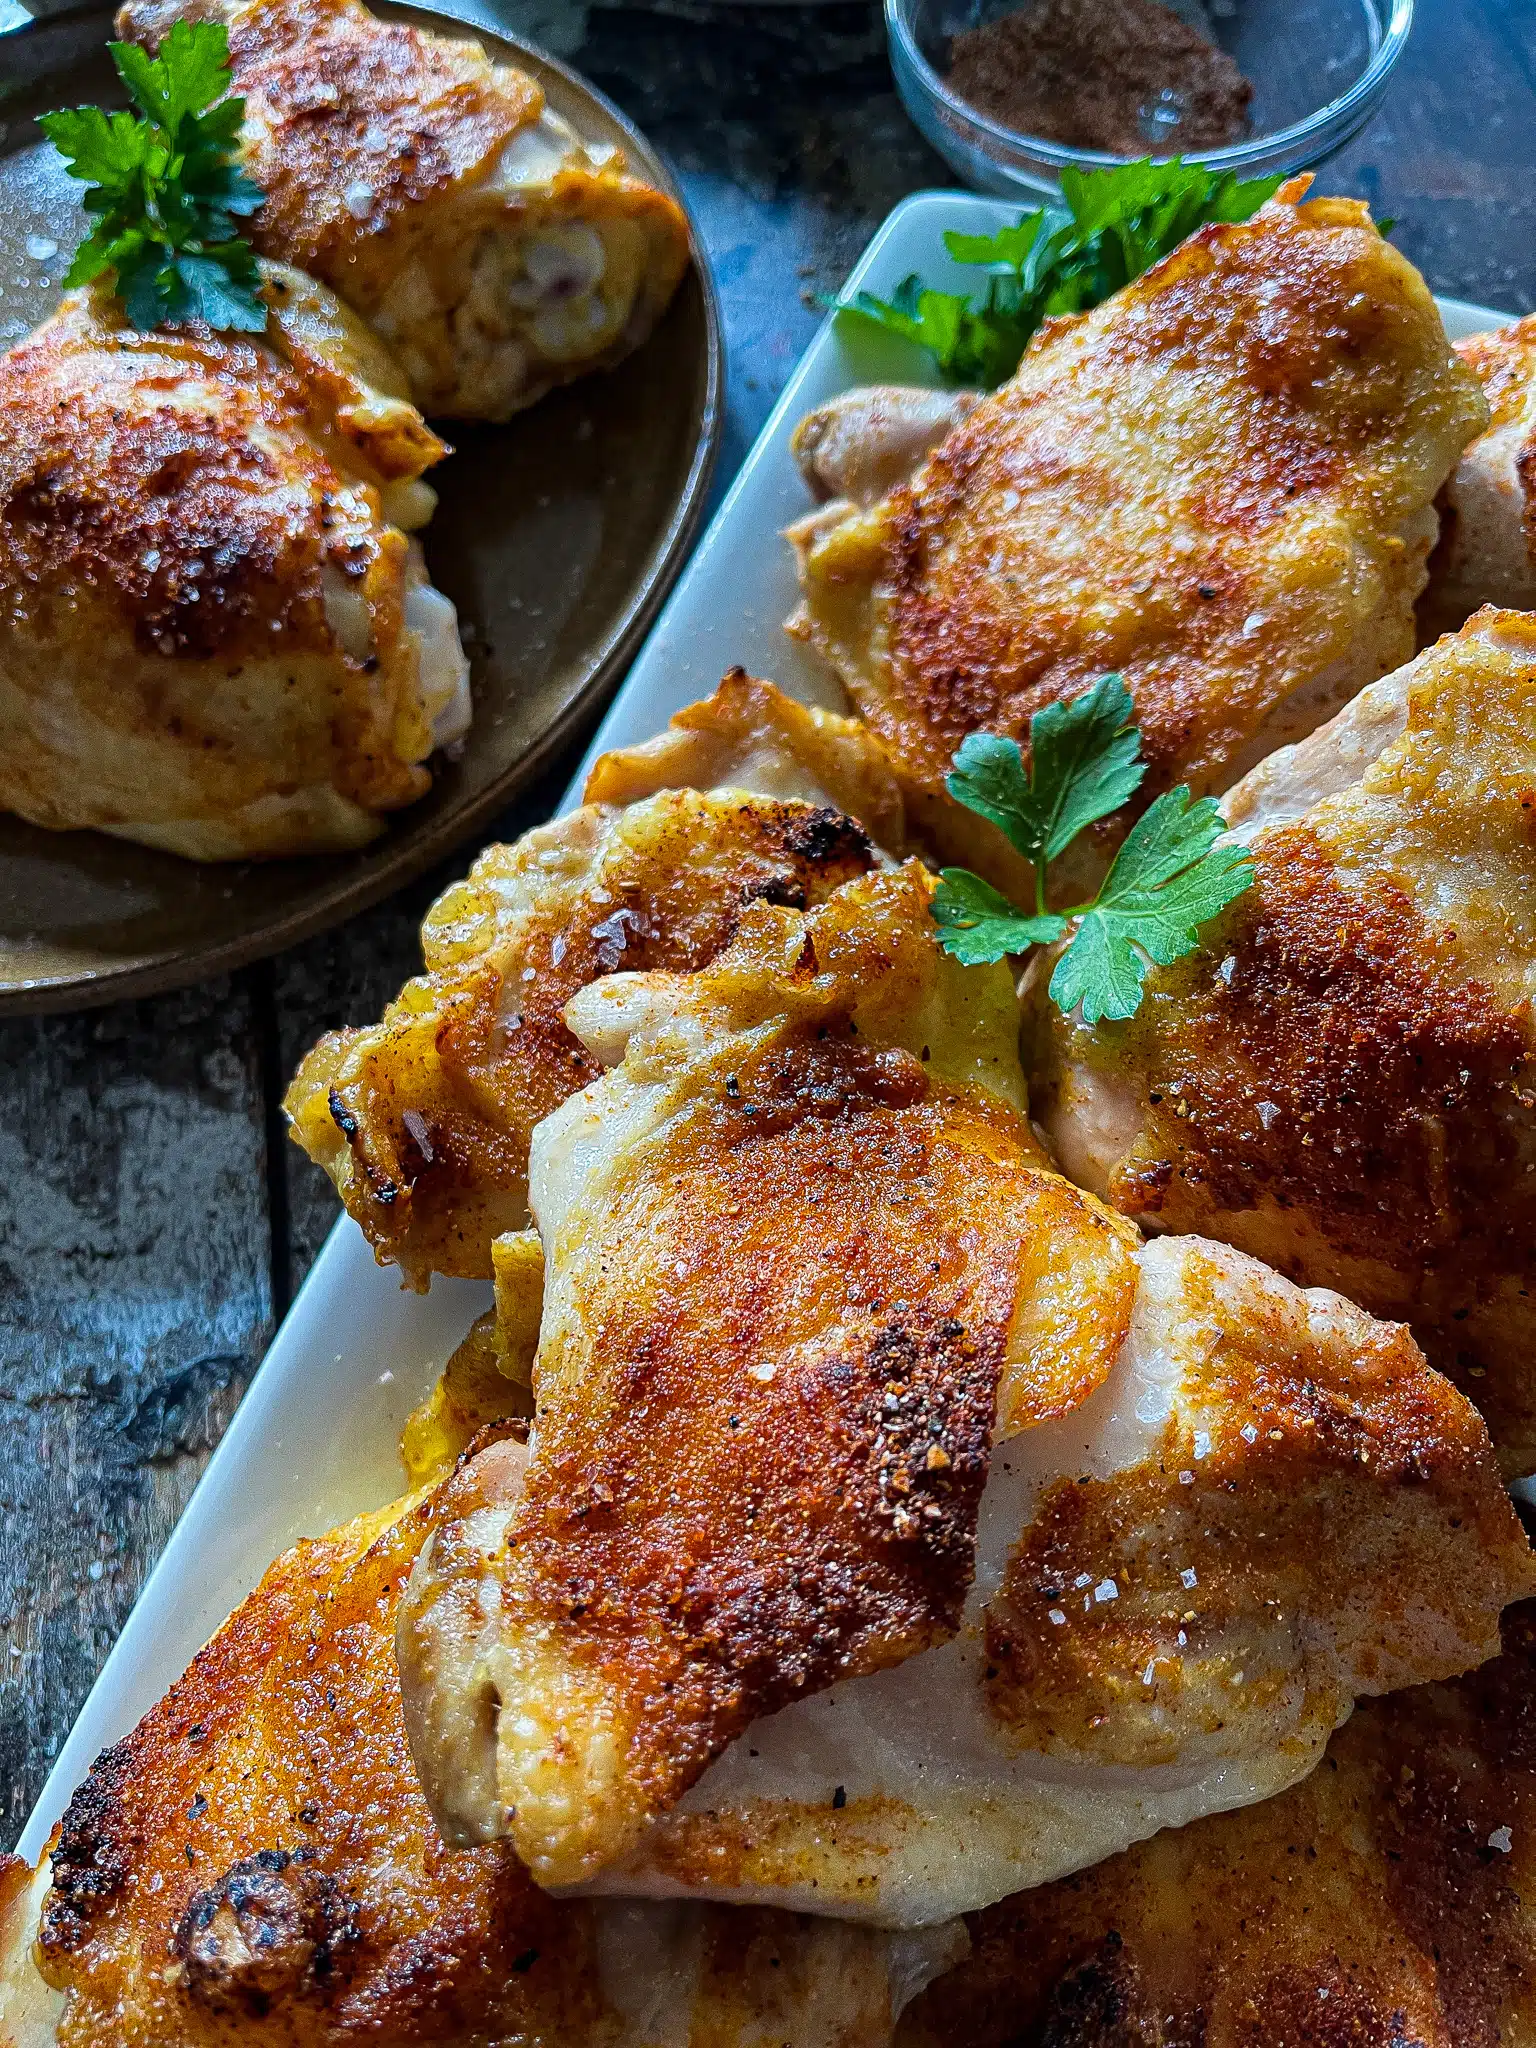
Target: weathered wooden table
pixel 154 1220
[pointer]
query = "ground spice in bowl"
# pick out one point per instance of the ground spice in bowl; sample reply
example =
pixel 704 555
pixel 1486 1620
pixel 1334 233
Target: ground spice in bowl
pixel 1126 76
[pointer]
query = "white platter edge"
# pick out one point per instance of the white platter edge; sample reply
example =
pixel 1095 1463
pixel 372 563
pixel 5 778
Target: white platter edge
pixel 315 1439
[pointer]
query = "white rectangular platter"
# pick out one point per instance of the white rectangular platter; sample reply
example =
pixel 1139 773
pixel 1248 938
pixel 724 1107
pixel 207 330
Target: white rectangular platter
pixel 315 1439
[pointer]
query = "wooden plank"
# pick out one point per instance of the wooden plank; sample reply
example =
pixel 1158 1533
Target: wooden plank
pixel 135 1299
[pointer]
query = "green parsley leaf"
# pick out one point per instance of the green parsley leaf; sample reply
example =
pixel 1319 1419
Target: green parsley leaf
pixel 1086 757
pixel 1113 226
pixel 188 75
pixel 1168 879
pixel 973 346
pixel 1085 761
pixel 166 187
pixel 978 924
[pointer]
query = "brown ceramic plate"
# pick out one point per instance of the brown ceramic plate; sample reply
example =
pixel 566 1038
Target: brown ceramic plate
pixel 556 578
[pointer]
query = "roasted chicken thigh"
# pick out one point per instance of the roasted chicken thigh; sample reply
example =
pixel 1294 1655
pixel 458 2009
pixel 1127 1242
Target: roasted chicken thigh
pixel 1486 553
pixel 423 1120
pixel 1219 483
pixel 217 635
pixel 255 1864
pixel 897 1531
pixel 1389 1899
pixel 498 252
pixel 1341 1079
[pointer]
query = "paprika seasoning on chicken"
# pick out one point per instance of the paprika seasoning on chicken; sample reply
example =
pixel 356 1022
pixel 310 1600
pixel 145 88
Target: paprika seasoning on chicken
pixel 1126 76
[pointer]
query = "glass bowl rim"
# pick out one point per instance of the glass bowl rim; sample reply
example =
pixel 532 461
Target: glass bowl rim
pixel 1232 156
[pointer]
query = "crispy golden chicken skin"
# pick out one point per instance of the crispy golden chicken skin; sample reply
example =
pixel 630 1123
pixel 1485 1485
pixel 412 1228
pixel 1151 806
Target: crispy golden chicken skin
pixel 1487 548
pixel 497 252
pixel 1342 1080
pixel 481 1384
pixel 216 635
pixel 897 1531
pixel 423 1120
pixel 255 1865
pixel 1390 1899
pixel 1219 483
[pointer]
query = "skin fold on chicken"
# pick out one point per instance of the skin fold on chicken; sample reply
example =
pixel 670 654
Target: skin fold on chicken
pixel 217 636
pixel 1486 553
pixel 255 1867
pixel 1341 1080
pixel 424 1119
pixel 1220 483
pixel 498 252
pixel 1389 1900
pixel 897 1531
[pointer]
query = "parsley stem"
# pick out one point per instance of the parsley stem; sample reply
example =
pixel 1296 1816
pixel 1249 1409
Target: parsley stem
pixel 1039 888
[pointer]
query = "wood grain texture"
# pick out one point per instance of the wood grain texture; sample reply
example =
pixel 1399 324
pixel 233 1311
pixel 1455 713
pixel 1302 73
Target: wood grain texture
pixel 153 1219
pixel 135 1299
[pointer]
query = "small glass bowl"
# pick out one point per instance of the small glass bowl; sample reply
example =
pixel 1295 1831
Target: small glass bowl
pixel 1318 68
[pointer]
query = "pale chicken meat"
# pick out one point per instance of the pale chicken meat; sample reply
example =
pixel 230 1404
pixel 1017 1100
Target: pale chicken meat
pixel 1388 1900
pixel 1219 483
pixel 1342 1080
pixel 255 1864
pixel 897 1531
pixel 867 442
pixel 217 635
pixel 497 251
pixel 424 1119
pixel 1486 553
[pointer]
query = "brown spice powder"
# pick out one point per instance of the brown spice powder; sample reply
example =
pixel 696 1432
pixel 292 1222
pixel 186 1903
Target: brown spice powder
pixel 1092 72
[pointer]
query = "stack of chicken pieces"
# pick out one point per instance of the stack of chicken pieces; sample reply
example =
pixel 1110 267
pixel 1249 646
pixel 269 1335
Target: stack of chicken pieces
pixel 962 1528
pixel 217 632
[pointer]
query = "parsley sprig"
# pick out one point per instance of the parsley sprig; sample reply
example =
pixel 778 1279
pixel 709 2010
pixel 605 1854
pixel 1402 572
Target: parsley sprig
pixel 1115 225
pixel 1169 877
pixel 166 188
